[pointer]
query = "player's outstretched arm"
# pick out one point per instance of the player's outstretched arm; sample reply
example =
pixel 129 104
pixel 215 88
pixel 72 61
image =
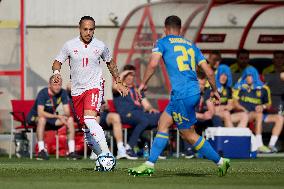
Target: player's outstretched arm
pixel 123 90
pixel 150 70
pixel 211 79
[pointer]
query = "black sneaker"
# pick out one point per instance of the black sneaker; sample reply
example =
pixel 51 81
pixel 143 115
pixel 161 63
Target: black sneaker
pixel 73 156
pixel 130 154
pixel 189 154
pixel 42 155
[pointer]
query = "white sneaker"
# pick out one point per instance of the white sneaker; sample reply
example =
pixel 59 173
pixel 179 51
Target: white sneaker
pixel 93 156
pixel 121 154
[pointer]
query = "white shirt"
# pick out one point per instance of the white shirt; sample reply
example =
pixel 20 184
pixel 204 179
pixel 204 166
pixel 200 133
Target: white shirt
pixel 86 71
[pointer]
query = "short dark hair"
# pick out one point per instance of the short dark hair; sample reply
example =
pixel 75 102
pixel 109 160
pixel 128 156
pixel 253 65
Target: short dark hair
pixel 86 18
pixel 278 52
pixel 242 51
pixel 129 67
pixel 173 22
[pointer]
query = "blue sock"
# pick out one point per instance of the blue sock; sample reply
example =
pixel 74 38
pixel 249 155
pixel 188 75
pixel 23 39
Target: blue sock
pixel 203 147
pixel 160 142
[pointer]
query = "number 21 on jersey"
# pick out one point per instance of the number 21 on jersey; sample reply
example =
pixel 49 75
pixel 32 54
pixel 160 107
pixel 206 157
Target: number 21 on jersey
pixel 184 57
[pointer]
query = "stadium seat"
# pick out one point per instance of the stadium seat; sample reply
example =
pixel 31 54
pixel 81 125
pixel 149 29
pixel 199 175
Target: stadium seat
pixel 20 109
pixel 162 104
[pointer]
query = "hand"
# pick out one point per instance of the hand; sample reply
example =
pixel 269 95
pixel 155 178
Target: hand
pixel 141 88
pixel 57 78
pixel 259 109
pixel 207 115
pixel 123 90
pixel 63 119
pixel 215 98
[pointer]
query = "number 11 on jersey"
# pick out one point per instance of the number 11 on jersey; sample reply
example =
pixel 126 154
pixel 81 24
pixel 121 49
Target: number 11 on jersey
pixel 85 62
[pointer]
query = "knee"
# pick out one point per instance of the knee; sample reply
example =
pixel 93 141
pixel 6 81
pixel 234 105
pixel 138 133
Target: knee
pixel 41 120
pixel 114 118
pixel 70 122
pixel 70 119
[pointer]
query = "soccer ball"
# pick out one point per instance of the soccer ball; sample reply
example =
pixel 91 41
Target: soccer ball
pixel 105 162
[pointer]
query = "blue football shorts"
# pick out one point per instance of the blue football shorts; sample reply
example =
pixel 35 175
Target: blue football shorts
pixel 183 111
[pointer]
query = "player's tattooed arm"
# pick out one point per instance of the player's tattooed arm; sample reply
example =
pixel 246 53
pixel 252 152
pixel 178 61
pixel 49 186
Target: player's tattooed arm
pixel 123 90
pixel 114 71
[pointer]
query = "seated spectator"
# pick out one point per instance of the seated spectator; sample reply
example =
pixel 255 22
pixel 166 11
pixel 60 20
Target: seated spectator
pixel 253 96
pixel 277 65
pixel 44 116
pixel 224 84
pixel 242 61
pixel 107 119
pixel 205 112
pixel 214 59
pixel 133 110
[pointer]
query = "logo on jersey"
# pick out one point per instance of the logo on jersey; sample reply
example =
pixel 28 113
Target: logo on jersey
pixel 76 51
pixel 97 51
pixel 258 93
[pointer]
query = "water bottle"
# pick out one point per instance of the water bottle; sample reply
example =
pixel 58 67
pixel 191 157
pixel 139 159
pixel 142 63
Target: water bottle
pixel 146 151
pixel 280 109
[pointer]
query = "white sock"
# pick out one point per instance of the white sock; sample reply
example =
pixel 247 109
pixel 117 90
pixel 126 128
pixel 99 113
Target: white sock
pixel 127 147
pixel 149 163
pixel 220 162
pixel 273 140
pixel 71 146
pixel 91 142
pixel 40 145
pixel 120 145
pixel 121 148
pixel 259 140
pixel 97 132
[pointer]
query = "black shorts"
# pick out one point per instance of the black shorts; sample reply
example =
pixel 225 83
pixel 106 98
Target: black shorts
pixel 50 122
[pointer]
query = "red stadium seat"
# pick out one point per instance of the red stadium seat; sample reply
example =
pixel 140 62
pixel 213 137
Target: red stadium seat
pixel 20 110
pixel 162 104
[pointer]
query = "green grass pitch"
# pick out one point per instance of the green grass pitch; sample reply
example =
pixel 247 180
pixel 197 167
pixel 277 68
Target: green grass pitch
pixel 172 173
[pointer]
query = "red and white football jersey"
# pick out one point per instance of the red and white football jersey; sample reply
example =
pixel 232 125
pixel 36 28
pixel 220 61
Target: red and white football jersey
pixel 86 71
